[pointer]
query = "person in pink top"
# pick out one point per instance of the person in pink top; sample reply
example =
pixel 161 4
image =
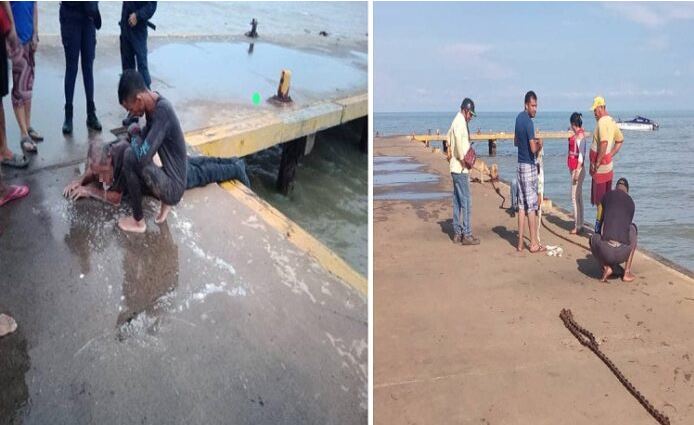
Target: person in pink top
pixel 575 161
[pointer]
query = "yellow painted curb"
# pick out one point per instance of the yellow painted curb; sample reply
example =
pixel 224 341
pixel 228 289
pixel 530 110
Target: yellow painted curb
pixel 298 236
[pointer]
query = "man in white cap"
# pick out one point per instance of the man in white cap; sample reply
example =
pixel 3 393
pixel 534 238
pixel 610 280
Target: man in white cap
pixel 607 141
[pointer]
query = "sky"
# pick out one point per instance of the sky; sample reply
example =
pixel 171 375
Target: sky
pixel 429 56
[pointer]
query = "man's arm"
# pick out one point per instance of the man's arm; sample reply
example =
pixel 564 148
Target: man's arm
pixel 146 11
pixel 145 149
pixel 617 146
pixel 90 191
pixel 535 143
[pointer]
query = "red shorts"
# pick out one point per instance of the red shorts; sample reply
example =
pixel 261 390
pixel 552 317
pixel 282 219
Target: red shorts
pixel 597 190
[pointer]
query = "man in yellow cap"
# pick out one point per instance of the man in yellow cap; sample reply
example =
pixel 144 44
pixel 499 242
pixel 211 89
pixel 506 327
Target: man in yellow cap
pixel 607 141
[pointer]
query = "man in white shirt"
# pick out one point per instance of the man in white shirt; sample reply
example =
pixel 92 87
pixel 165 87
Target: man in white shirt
pixel 458 146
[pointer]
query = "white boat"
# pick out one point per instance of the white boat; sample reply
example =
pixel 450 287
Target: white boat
pixel 638 124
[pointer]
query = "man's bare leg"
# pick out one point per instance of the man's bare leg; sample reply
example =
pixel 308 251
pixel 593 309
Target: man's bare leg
pixel 532 224
pixel 628 275
pixel 163 213
pixel 7 325
pixel 129 224
pixel 521 228
pixel 20 113
pixel 606 272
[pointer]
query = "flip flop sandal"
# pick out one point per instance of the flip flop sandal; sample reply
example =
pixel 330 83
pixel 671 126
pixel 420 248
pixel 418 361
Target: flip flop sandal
pixel 35 136
pixel 16 162
pixel 538 249
pixel 14 192
pixel 28 145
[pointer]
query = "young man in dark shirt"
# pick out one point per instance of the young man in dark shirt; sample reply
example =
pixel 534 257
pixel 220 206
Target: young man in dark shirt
pixel 104 177
pixel 616 242
pixel 162 135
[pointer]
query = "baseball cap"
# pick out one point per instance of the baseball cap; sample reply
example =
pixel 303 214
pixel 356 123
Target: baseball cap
pixel 469 105
pixel 623 181
pixel 598 101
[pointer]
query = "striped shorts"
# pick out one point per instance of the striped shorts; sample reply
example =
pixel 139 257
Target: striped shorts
pixel 527 187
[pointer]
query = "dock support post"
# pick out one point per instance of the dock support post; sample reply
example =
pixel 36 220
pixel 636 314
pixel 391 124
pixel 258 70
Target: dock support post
pixel 291 153
pixel 364 141
pixel 492 147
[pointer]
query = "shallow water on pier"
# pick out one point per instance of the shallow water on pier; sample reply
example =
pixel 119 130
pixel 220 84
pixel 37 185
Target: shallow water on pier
pixel 391 173
pixel 657 165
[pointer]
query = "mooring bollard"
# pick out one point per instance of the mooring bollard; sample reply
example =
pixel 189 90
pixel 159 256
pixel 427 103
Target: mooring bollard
pixel 282 96
pixel 253 33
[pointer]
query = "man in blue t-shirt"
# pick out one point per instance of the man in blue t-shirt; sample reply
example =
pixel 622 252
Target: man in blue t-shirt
pixel 528 146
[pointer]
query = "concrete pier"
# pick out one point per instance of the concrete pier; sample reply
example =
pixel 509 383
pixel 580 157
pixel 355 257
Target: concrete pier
pixel 228 312
pixel 473 334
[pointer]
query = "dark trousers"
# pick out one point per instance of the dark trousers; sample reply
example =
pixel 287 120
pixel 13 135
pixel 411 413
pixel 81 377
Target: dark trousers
pixel 133 50
pixel 79 38
pixel 203 170
pixel 148 180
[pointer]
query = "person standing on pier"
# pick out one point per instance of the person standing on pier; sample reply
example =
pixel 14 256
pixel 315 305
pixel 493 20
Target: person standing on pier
pixel 607 141
pixel 528 147
pixel 162 135
pixel 575 161
pixel 134 20
pixel 79 22
pixel 458 146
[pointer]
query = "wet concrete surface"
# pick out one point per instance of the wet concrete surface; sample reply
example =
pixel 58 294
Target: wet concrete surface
pixel 209 83
pixel 211 318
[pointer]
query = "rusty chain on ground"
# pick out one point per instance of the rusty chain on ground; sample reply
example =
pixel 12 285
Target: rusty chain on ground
pixel 586 338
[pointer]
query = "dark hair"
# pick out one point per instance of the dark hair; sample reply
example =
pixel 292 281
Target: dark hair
pixel 576 119
pixel 130 84
pixel 530 95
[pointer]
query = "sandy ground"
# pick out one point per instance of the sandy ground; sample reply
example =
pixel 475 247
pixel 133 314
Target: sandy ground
pixel 472 335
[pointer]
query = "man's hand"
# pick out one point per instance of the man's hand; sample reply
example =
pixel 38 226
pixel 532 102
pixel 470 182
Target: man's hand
pixel 71 187
pixel 34 42
pixel 12 41
pixel 79 192
pixel 132 19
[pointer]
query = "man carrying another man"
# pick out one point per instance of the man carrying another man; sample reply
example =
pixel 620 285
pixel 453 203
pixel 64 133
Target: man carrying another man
pixel 458 146
pixel 528 147
pixel 616 241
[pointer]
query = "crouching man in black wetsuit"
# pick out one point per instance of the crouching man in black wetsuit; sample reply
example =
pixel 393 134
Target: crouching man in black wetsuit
pixel 104 177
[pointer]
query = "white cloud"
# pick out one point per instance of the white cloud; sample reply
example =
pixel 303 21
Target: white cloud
pixel 652 15
pixel 477 60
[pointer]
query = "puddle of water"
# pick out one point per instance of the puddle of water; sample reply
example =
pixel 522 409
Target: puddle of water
pixel 398 179
pixel 412 196
pixel 234 71
pixel 392 172
pixel 385 167
pixel 398 170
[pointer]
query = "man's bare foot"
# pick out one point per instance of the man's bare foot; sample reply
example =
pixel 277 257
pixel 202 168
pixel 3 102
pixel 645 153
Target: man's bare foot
pixel 606 272
pixel 628 276
pixel 129 224
pixel 573 231
pixel 7 325
pixel 163 213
